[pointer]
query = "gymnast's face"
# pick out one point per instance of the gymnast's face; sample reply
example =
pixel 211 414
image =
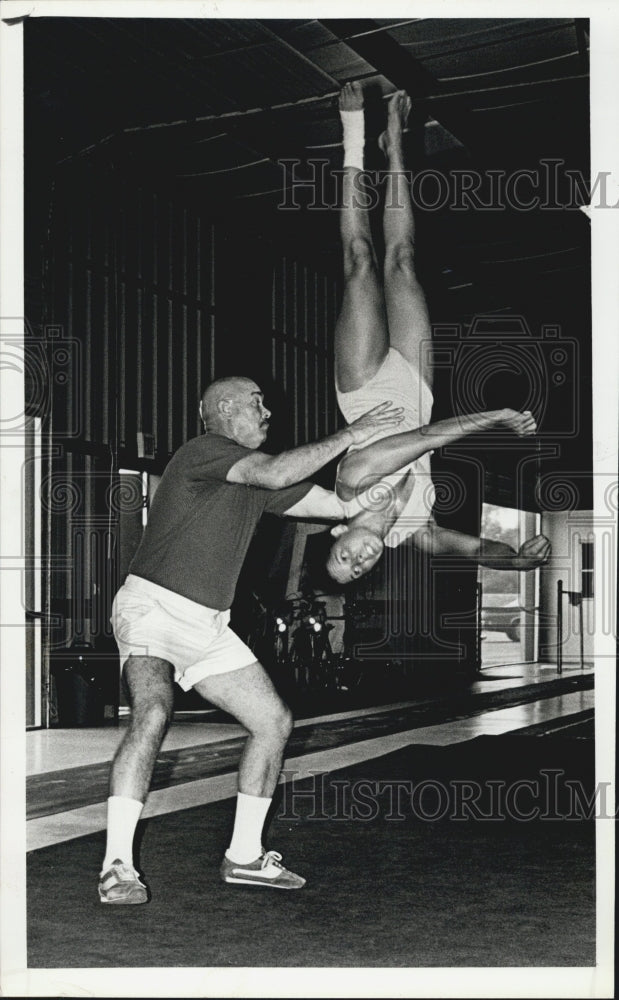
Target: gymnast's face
pixel 353 554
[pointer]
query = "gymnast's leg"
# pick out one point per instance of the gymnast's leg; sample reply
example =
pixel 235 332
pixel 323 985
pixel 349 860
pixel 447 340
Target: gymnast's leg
pixel 361 335
pixel 409 322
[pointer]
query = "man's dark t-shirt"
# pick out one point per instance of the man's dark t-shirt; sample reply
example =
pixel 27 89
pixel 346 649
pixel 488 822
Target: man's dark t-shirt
pixel 200 526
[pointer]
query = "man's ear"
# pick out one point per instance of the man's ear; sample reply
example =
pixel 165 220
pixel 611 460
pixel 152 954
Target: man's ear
pixel 224 406
pixel 339 529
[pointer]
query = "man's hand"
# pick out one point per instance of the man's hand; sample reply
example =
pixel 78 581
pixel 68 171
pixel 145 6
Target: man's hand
pixel 365 427
pixel 522 424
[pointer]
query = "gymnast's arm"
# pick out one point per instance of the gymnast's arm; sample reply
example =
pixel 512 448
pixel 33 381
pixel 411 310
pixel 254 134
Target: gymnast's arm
pixel 320 504
pixel 380 511
pixel 368 465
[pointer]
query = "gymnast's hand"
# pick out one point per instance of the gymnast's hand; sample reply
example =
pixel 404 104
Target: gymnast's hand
pixel 522 424
pixel 533 553
pixel 377 419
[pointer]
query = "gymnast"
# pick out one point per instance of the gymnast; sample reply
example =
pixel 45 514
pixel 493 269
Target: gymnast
pixel 383 351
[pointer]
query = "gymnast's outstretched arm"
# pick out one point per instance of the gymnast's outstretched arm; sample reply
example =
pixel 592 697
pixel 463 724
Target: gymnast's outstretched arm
pixel 439 541
pixel 362 468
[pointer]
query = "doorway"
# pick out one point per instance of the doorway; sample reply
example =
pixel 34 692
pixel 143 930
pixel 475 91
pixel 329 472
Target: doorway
pixel 509 599
pixel 33 579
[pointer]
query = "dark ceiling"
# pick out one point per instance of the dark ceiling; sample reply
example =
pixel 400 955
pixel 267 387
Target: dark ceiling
pixel 212 107
pixel 219 101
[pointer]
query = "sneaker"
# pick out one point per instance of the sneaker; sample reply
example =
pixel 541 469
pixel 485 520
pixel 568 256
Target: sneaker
pixel 121 884
pixel 266 870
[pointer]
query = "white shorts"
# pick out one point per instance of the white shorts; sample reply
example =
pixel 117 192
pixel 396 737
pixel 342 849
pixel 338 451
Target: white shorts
pixel 398 380
pixel 149 620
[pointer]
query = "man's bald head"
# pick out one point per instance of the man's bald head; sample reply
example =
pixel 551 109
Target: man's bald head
pixel 221 390
pixel 233 406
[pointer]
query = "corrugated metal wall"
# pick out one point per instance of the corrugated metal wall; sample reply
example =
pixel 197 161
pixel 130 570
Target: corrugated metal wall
pixel 133 285
pixel 130 330
pixel 304 312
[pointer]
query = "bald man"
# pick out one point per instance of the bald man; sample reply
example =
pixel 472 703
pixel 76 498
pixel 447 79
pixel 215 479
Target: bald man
pixel 171 616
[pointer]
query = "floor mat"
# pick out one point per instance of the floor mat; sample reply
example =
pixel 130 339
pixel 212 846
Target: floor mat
pixel 430 856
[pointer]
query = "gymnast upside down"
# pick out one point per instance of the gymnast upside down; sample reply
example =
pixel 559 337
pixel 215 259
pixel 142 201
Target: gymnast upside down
pixel 383 351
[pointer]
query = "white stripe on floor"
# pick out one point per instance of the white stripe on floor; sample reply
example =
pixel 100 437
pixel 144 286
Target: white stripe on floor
pixel 43 831
pixel 50 750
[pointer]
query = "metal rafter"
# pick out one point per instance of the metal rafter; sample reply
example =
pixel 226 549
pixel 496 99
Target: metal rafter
pixel 406 73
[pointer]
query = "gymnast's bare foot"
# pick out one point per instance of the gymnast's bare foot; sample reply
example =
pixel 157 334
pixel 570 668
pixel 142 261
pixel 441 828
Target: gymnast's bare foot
pixel 397 116
pixel 533 553
pixel 351 97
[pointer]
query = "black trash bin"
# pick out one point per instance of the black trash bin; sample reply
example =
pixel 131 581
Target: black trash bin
pixel 86 686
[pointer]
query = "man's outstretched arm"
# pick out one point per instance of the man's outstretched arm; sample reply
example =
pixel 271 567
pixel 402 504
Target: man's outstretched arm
pixel 274 472
pixel 362 468
pixel 318 505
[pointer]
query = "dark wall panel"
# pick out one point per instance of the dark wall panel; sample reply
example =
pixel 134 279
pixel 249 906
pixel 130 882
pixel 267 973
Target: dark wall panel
pixel 304 313
pixel 131 276
pixel 131 297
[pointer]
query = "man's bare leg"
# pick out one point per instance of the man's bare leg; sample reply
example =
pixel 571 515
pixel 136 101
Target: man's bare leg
pixel 250 697
pixel 361 335
pixel 439 541
pixel 149 684
pixel 407 311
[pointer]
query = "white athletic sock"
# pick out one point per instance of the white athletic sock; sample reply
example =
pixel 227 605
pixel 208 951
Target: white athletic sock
pixel 353 125
pixel 122 818
pixel 246 843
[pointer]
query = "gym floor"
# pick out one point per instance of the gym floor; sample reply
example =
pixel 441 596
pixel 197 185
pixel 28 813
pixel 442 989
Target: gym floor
pixel 433 833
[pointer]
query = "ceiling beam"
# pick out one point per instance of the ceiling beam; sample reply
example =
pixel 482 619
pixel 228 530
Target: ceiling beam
pixel 377 47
